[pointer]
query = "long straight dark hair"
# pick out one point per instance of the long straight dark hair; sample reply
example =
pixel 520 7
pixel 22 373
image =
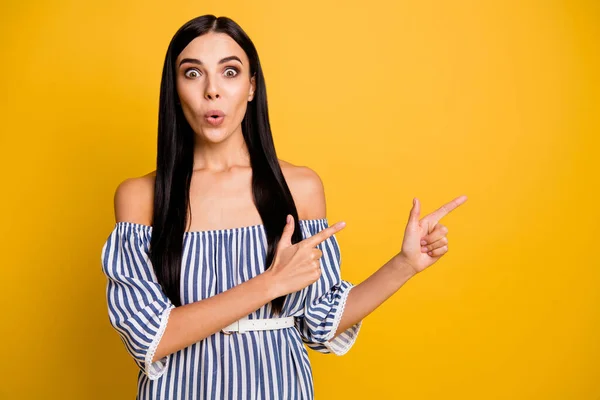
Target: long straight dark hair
pixel 174 162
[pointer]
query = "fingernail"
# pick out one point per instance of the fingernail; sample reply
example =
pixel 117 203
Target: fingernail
pixel 341 224
pixel 288 219
pixel 423 249
pixel 423 242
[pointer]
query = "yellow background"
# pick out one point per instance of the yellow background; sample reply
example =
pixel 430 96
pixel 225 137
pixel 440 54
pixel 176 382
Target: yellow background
pixel 386 100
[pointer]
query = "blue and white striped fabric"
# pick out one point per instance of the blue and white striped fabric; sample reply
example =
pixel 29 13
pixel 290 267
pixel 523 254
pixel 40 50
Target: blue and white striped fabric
pixel 265 365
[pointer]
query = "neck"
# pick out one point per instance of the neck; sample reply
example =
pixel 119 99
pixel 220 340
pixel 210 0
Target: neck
pixel 221 156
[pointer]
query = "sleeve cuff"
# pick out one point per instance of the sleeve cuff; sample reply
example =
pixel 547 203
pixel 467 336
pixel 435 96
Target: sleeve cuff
pixel 344 341
pixel 156 369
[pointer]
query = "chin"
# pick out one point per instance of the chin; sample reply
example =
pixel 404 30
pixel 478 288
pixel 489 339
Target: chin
pixel 214 135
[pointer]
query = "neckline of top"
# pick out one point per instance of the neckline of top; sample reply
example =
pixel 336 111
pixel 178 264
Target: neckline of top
pixel 236 229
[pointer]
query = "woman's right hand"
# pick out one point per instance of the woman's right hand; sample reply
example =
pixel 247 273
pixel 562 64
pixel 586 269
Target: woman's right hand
pixel 295 266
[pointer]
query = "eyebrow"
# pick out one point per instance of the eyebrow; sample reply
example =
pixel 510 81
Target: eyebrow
pixel 223 60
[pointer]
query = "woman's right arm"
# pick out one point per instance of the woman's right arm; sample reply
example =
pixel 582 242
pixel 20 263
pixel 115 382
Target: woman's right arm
pixel 193 322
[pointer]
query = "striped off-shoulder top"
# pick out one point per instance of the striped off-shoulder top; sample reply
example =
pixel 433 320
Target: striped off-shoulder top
pixel 271 364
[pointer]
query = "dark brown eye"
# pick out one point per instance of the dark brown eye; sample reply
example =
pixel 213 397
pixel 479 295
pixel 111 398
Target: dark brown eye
pixel 189 72
pixel 231 69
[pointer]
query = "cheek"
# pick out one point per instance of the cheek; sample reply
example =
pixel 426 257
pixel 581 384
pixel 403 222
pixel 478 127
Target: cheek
pixel 242 106
pixel 190 97
pixel 240 100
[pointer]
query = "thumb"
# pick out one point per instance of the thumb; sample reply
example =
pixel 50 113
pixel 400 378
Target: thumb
pixel 414 212
pixel 288 231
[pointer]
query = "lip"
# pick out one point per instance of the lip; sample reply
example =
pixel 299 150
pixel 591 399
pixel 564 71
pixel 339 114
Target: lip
pixel 210 113
pixel 214 117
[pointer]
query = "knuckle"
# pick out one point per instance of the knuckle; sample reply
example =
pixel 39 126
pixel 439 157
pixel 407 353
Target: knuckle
pixel 445 240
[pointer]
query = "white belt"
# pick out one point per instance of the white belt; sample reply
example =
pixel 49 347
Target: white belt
pixel 263 324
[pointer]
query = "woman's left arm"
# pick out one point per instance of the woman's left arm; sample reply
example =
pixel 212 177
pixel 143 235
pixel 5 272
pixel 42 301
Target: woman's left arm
pixel 424 243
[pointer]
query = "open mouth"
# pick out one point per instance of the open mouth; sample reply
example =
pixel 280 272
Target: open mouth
pixel 215 119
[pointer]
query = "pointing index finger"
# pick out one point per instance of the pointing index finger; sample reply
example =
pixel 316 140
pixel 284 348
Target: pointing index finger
pixel 446 208
pixel 323 235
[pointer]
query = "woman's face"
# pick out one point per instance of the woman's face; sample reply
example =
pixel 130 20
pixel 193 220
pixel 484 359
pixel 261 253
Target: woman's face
pixel 213 78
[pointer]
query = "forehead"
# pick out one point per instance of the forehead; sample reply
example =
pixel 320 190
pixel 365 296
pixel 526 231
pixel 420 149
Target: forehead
pixel 211 47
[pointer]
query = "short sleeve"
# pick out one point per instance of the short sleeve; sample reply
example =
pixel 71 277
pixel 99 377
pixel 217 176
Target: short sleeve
pixel 137 307
pixel 325 300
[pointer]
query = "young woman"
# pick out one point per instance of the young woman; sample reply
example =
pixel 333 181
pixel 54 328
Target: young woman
pixel 222 263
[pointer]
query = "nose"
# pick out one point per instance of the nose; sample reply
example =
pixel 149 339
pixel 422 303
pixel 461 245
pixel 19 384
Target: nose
pixel 211 91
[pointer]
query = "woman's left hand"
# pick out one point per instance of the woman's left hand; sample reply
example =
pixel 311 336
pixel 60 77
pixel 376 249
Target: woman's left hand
pixel 425 240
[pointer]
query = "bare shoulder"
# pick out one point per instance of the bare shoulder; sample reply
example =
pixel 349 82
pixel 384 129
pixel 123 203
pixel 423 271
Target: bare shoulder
pixel 307 190
pixel 134 199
